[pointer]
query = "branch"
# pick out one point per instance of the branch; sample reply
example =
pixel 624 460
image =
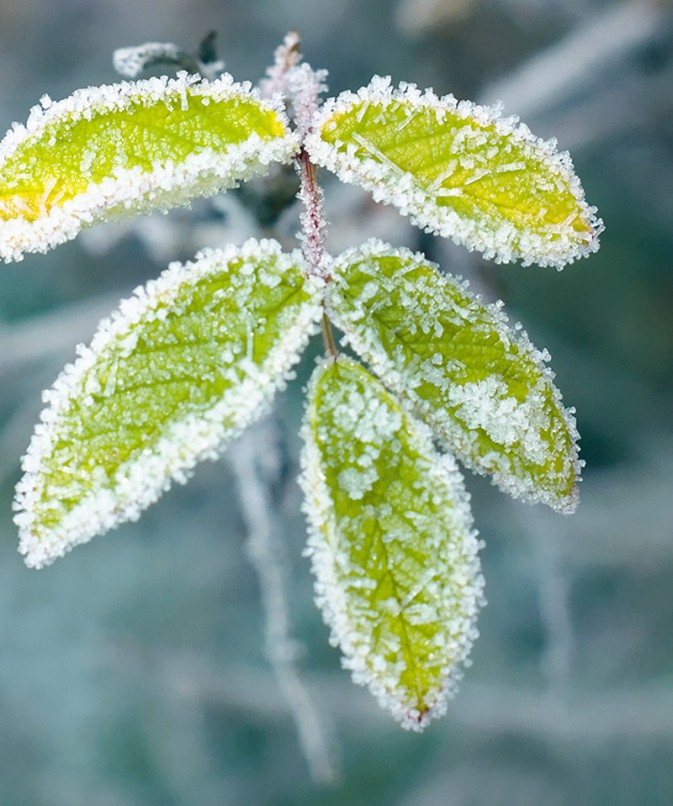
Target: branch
pixel 256 464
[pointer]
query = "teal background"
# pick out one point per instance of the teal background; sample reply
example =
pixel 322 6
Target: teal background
pixel 133 671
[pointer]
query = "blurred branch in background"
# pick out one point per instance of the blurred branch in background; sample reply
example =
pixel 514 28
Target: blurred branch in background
pixel 583 62
pixel 553 595
pixel 256 462
pixel 54 333
pixel 490 708
pixel 417 17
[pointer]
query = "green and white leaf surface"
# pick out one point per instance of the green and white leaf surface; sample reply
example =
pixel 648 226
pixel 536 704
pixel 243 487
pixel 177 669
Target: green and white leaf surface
pixel 173 376
pixel 475 380
pixel 459 170
pixel 130 148
pixel 391 542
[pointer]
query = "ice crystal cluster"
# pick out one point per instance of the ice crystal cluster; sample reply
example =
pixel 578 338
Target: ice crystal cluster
pixel 193 357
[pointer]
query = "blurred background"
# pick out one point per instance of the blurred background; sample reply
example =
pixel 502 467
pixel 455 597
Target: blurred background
pixel 137 670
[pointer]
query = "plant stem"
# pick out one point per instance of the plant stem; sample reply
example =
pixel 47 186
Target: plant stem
pixel 328 337
pixel 312 218
pixel 302 87
pixel 285 58
pixel 313 237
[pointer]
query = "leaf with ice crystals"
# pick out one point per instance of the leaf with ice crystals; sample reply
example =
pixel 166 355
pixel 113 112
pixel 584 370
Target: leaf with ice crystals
pixel 458 170
pixel 476 380
pixel 129 148
pixel 391 543
pixel 176 373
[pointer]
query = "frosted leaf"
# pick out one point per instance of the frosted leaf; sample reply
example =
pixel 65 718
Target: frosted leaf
pixel 458 170
pixel 128 148
pixel 391 543
pixel 131 62
pixel 175 374
pixel 471 376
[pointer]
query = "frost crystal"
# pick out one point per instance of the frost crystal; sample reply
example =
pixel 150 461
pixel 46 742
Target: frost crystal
pixel 130 62
pixel 391 543
pixel 174 375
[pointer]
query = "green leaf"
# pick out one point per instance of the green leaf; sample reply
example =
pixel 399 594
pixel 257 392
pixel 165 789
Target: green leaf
pixel 478 382
pixel 458 170
pixel 391 542
pixel 130 148
pixel 175 374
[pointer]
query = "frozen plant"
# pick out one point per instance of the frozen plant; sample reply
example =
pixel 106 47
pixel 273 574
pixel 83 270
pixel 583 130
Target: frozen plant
pixel 195 356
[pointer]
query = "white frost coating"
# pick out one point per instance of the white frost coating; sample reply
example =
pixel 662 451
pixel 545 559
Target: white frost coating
pixel 129 192
pixel 469 406
pixel 300 85
pixel 439 509
pixel 187 440
pixel 391 185
pixel 303 88
pixel 487 405
pixel 285 57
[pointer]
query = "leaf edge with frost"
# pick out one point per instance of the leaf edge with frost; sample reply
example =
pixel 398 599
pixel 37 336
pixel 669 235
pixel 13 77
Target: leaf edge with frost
pixel 331 597
pixel 387 369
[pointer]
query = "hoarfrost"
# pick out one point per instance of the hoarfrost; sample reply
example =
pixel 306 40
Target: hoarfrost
pixel 130 62
pixel 135 189
pixel 464 370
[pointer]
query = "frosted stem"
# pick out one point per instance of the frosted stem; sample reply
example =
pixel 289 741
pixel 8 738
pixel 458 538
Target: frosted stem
pixel 312 217
pixel 313 236
pixel 256 463
pixel 328 337
pixel 285 57
pixel 302 86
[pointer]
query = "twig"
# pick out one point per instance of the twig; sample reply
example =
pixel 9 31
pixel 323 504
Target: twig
pixel 581 58
pixel 40 336
pixel 256 465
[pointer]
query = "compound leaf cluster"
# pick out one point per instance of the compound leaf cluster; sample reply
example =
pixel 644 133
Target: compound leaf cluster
pixel 195 356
